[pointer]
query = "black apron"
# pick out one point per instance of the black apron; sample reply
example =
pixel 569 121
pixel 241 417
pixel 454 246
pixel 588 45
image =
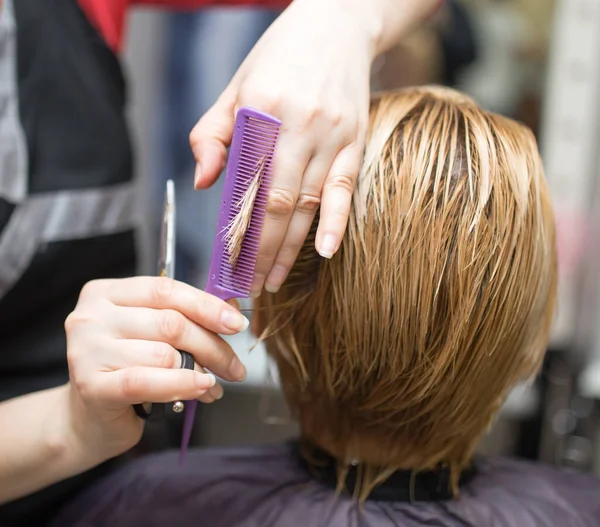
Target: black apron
pixel 71 97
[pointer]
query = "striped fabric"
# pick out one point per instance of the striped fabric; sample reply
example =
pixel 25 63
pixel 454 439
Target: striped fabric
pixel 67 211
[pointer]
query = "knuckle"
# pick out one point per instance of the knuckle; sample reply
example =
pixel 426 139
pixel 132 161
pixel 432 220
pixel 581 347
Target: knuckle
pixel 224 359
pixel 77 318
pixel 267 100
pixel 309 113
pixel 197 135
pixel 217 358
pixel 91 289
pixel 288 254
pixel 281 202
pixel 162 290
pixel 206 398
pixel 85 388
pixel 73 363
pixel 131 383
pixel 308 203
pixel 285 261
pixel 171 325
pixel 336 119
pixel 162 355
pixel 273 102
pixel 193 137
pixel 70 322
pixel 264 262
pixel 342 180
pixel 351 129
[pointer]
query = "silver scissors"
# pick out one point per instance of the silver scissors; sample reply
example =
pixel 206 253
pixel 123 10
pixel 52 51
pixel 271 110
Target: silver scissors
pixel 166 255
pixel 166 267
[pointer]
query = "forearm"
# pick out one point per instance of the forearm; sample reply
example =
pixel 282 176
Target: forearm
pixel 196 4
pixel 37 446
pixel 386 21
pixel 399 17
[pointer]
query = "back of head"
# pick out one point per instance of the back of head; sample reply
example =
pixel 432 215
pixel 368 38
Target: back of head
pixel 398 351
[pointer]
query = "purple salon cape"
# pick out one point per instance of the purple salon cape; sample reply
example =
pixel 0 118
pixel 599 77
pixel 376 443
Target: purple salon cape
pixel 268 486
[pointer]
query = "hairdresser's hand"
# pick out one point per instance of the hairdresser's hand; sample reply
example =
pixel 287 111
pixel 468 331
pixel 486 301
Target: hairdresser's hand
pixel 122 342
pixel 311 69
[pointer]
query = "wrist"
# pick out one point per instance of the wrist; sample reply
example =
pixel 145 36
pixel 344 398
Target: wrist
pixel 96 436
pixel 65 432
pixel 347 20
pixel 383 22
pixel 368 17
pixel 40 447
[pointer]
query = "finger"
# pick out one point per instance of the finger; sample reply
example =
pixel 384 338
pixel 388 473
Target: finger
pixel 171 327
pixel 336 200
pixel 293 156
pixel 129 353
pixel 210 137
pixel 235 303
pixel 301 220
pixel 161 355
pixel 213 394
pixel 139 384
pixel 164 293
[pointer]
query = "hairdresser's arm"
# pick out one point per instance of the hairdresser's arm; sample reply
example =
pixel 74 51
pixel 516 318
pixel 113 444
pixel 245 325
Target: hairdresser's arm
pixel 121 347
pixel 195 4
pixel 36 446
pixel 312 70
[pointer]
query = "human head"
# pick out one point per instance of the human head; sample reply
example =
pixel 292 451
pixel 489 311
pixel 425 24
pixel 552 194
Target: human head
pixel 399 350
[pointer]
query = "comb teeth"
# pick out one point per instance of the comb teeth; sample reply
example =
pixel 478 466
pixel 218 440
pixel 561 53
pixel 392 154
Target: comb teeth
pixel 252 149
pixel 256 148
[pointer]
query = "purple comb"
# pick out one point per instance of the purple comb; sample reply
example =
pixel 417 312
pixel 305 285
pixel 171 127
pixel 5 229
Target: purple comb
pixel 252 146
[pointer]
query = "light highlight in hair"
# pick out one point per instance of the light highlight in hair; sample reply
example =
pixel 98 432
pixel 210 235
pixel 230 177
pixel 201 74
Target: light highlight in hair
pixel 238 226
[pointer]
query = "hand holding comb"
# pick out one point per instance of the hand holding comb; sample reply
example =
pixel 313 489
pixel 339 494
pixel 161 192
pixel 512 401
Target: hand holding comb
pixel 243 205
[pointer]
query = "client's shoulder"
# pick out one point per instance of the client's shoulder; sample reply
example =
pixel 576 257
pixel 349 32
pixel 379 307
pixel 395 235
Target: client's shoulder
pixel 217 462
pixel 258 464
pixel 220 484
pixel 500 470
pixel 542 494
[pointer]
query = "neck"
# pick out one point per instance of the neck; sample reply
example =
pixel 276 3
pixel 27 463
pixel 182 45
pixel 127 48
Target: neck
pixel 367 451
pixel 365 482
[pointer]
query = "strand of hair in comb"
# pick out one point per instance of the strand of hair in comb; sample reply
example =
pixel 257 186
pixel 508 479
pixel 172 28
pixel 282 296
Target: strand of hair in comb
pixel 237 228
pixel 241 215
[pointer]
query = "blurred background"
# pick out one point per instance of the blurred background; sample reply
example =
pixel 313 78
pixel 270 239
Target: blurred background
pixel 533 60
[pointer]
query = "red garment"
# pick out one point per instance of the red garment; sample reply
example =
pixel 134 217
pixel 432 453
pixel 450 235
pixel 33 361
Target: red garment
pixel 109 16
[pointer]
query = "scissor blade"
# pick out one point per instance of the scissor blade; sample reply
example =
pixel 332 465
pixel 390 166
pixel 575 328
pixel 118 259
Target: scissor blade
pixel 166 259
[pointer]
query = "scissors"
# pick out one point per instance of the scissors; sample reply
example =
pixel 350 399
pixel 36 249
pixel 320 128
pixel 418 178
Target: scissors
pixel 166 267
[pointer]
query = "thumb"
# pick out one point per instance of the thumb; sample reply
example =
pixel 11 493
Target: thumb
pixel 210 138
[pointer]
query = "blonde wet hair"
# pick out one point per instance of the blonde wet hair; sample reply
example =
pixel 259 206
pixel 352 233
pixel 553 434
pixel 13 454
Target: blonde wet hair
pixel 399 351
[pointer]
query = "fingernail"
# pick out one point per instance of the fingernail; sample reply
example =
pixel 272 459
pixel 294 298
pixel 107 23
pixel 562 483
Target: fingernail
pixel 234 320
pixel 204 381
pixel 255 294
pixel 237 370
pixel 276 278
pixel 328 246
pixel 197 175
